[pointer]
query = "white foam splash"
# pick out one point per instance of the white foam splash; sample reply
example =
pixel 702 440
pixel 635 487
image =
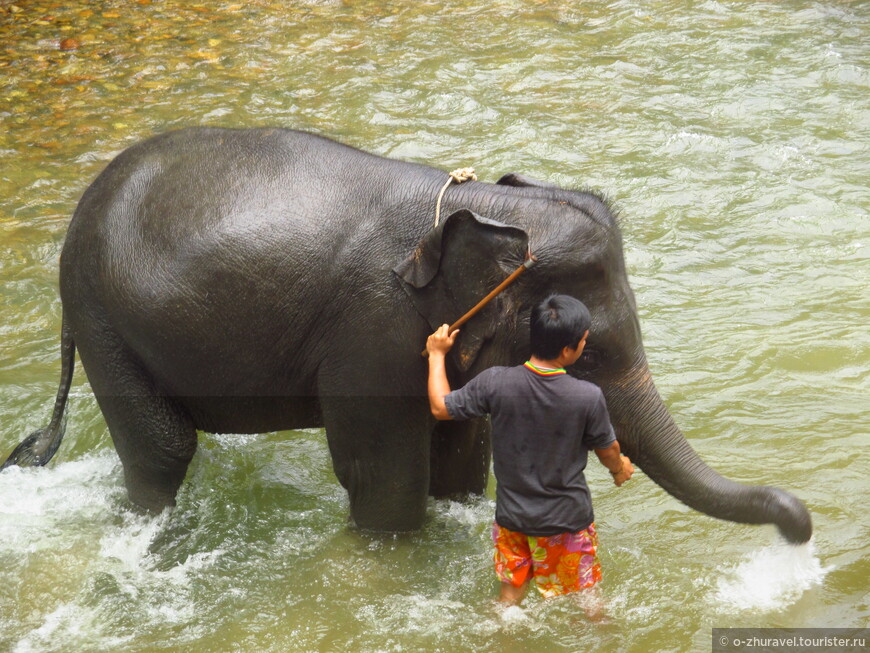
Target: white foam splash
pixel 418 615
pixel 469 513
pixel 61 507
pixel 37 504
pixel 74 625
pixel 129 544
pixel 512 614
pixel 769 578
pixel 59 488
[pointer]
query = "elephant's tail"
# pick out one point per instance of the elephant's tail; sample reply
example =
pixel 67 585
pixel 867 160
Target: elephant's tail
pixel 40 446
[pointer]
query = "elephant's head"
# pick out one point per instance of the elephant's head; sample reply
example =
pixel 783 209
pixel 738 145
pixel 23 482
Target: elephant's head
pixel 579 250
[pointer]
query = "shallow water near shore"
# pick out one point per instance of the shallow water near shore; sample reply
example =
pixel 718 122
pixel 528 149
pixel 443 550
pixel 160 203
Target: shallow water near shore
pixel 733 139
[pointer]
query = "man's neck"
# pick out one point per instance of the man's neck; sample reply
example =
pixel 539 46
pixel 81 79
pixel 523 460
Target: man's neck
pixel 555 364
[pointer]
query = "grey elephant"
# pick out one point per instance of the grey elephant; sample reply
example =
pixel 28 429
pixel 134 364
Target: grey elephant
pixel 245 281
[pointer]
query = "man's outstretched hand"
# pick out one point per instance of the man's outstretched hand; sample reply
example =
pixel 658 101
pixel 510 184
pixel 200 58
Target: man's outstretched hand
pixel 625 473
pixel 440 342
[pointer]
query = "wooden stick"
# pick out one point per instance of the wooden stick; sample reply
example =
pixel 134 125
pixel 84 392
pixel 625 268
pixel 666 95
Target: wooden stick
pixel 529 262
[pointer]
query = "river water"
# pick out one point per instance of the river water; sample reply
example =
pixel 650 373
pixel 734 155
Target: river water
pixel 732 137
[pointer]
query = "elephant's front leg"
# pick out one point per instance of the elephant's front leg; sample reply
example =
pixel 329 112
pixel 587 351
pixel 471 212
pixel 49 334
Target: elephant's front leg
pixel 460 458
pixel 380 454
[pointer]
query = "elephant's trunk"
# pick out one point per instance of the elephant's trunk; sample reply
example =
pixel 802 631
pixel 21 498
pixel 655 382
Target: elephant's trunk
pixel 649 436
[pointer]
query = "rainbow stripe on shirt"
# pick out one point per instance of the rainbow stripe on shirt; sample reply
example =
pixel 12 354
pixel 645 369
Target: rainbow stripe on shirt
pixel 542 372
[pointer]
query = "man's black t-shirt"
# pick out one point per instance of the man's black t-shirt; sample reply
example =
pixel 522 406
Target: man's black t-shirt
pixel 543 426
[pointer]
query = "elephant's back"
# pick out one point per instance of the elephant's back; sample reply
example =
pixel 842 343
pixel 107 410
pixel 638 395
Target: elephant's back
pixel 194 191
pixel 208 242
pixel 164 207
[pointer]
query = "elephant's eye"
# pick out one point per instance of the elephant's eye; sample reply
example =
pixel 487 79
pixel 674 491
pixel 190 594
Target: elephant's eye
pixel 591 358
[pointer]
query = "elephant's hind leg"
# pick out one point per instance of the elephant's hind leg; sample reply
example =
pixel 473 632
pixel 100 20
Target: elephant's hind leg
pixel 155 440
pixel 153 435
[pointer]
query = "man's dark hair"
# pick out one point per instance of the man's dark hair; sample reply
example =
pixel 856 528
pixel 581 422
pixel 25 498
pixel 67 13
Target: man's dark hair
pixel 558 322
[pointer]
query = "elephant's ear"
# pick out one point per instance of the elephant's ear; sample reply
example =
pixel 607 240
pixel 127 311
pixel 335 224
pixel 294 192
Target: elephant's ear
pixel 516 179
pixel 454 267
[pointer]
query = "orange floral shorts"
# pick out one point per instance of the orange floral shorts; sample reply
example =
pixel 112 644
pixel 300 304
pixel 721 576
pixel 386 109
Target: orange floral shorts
pixel 560 563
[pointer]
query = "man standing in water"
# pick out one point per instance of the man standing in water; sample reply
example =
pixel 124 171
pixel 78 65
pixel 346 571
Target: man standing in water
pixel 544 422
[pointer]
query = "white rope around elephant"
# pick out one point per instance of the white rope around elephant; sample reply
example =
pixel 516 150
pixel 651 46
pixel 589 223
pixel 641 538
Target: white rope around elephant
pixel 459 175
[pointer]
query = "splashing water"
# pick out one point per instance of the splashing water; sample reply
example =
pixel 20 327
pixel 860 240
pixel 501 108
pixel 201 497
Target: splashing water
pixel 770 578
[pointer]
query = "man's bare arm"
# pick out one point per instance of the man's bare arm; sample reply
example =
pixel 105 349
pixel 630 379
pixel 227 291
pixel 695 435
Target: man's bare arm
pixel 438 344
pixel 620 466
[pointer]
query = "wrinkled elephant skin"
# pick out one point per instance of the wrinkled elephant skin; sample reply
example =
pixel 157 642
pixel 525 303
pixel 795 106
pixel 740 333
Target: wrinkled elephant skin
pixel 254 280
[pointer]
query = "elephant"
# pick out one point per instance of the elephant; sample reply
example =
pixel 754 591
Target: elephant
pixel 255 280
